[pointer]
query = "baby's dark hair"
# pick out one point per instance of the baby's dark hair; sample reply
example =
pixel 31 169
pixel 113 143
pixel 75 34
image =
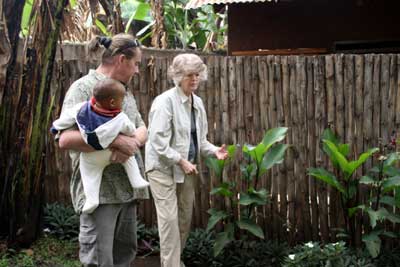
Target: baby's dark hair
pixel 107 88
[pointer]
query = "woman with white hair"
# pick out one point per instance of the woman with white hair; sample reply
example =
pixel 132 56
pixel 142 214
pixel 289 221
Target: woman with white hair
pixel 177 136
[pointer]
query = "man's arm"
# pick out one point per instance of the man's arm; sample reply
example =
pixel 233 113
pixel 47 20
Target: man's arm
pixel 72 139
pixel 141 135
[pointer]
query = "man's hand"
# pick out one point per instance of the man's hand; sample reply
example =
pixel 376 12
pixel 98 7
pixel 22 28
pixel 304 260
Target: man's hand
pixel 221 153
pixel 124 144
pixel 187 167
pixel 123 147
pixel 118 157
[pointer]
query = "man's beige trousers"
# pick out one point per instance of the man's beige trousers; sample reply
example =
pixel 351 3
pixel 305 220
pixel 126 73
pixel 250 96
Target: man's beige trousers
pixel 174 204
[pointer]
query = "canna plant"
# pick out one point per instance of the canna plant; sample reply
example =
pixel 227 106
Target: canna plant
pixel 258 160
pixel 345 181
pixel 382 180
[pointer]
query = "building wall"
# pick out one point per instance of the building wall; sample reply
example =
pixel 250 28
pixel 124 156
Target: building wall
pixel 310 23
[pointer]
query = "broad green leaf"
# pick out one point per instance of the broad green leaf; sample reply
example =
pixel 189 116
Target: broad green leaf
pixel 216 216
pixel 275 155
pixel 248 170
pixel 394 218
pixel 363 157
pixel 367 180
pixel 232 150
pixel 391 183
pixel 328 134
pixel 378 215
pixel 327 177
pixel 388 200
pixel 336 156
pixel 26 17
pixel 344 149
pixel 392 159
pixel 256 197
pixel 72 3
pixel 373 244
pixel 216 165
pixel 373 216
pixel 223 238
pixel 274 135
pixel 390 234
pixel 223 190
pixel 353 210
pixel 255 152
pixel 102 27
pixel 250 226
pixel 391 171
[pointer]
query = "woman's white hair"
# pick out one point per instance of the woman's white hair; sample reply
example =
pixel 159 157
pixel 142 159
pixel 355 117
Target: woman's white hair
pixel 185 64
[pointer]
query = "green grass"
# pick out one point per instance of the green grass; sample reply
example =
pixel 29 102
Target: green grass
pixel 45 252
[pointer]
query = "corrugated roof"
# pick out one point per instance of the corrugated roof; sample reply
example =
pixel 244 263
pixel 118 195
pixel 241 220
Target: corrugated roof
pixel 199 3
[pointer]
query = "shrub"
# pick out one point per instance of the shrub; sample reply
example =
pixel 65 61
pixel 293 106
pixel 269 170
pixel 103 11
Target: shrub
pixel 333 254
pixel 61 221
pixel 198 249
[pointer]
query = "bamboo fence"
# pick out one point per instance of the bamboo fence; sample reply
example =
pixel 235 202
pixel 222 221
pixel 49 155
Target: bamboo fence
pixel 357 96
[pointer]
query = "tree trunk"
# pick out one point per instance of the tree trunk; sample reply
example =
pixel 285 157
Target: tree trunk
pixel 159 35
pixel 113 12
pixel 25 114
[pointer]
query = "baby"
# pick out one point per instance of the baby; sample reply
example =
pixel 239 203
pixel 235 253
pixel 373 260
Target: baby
pixel 100 120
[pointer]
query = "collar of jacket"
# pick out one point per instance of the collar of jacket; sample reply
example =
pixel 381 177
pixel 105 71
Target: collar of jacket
pixel 184 98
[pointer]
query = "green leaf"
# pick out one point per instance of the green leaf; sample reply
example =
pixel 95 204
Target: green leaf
pixel 363 157
pixel 216 165
pixel 328 134
pixel 394 218
pixel 390 183
pixel 26 17
pixel 102 27
pixel 336 156
pixel 327 177
pixel 275 155
pixel 367 180
pixel 388 200
pixel 216 216
pixel 373 216
pixel 344 149
pixel 222 190
pixel 250 226
pixel 254 197
pixel 232 150
pixel 255 152
pixel 373 243
pixel 392 159
pixel 352 211
pixel 248 170
pixel 223 238
pixel 390 234
pixel 274 135
pixel 72 3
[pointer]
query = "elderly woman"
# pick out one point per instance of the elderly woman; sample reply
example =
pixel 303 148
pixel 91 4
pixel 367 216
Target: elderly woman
pixel 177 137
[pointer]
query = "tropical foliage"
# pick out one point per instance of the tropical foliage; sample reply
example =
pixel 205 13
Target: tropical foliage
pixel 258 160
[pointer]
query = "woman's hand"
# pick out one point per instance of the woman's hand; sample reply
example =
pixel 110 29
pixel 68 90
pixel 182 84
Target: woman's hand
pixel 221 153
pixel 187 167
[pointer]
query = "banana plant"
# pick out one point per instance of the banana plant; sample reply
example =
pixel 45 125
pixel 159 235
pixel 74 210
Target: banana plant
pixel 345 181
pixel 258 160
